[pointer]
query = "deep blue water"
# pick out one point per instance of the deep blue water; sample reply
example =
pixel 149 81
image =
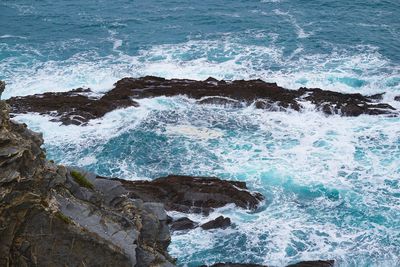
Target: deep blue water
pixel 332 184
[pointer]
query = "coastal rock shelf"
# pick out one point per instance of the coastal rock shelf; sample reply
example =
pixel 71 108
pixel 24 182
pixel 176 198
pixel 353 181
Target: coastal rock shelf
pixel 52 215
pixel 193 194
pixel 79 106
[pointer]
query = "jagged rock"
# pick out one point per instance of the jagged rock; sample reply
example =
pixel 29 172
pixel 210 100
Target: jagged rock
pixel 193 194
pixel 78 106
pixel 219 222
pixel 51 216
pixel 73 107
pixel 183 224
pixel 397 98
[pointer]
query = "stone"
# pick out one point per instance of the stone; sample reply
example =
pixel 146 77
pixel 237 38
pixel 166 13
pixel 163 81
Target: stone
pixel 193 194
pixel 182 224
pixel 79 106
pixel 220 222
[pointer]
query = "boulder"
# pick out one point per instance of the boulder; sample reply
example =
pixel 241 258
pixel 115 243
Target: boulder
pixel 220 222
pixel 183 223
pixel 193 194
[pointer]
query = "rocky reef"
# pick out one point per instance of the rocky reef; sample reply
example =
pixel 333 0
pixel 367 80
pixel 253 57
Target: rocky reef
pixel 54 215
pixel 80 105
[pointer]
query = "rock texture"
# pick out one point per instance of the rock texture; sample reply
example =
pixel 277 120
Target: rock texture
pixel 183 224
pixel 51 216
pixel 78 106
pixel 193 194
pixel 219 222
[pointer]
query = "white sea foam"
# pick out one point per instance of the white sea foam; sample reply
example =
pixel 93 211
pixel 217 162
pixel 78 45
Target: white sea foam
pixel 364 71
pixel 6 36
pixel 290 18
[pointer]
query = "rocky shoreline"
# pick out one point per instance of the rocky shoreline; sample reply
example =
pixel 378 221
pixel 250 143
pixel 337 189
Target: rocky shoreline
pixel 54 215
pixel 80 105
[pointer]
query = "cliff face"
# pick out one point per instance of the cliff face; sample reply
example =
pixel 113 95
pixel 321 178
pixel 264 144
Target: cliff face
pixel 53 216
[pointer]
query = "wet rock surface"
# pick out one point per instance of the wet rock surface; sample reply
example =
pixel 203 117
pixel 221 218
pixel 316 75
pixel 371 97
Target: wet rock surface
pixel 193 194
pixel 182 224
pixel 73 107
pixel 220 222
pixel 79 106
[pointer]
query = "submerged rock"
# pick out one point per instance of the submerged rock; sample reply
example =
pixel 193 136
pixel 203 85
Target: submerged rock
pixel 193 194
pixel 78 106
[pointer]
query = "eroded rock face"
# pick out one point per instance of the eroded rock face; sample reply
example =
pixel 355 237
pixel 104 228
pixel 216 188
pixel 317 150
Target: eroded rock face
pixel 193 194
pixel 78 107
pixel 50 216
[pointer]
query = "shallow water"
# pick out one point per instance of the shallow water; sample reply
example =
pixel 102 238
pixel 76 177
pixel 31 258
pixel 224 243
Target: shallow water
pixel 332 183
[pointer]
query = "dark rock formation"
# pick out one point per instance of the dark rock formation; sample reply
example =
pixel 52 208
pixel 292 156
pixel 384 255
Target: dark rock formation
pixel 183 224
pixel 193 194
pixel 73 107
pixel 397 98
pixel 77 107
pixel 219 222
pixel 328 263
pixel 54 216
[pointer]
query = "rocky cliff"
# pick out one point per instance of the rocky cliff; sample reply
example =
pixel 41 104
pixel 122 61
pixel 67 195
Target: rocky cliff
pixel 54 216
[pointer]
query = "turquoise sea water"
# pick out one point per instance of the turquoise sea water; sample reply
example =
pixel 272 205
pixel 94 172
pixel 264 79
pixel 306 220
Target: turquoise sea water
pixel 332 184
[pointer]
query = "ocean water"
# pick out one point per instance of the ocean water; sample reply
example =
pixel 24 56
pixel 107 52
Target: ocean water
pixel 332 184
